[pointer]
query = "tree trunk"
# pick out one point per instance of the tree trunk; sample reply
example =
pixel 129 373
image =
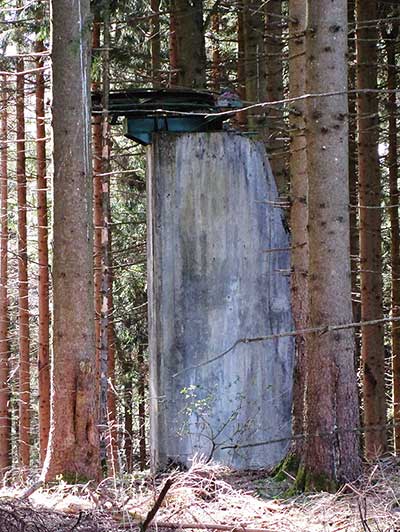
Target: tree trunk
pixel 390 42
pixel 253 30
pixel 191 54
pixel 73 449
pixel 173 46
pixel 97 211
pixel 299 211
pixel 372 349
pixel 331 450
pixel 43 256
pixel 241 65
pixel 155 43
pixel 216 55
pixel 5 415
pixel 112 446
pixel 274 79
pixel 141 389
pixel 353 180
pixel 23 303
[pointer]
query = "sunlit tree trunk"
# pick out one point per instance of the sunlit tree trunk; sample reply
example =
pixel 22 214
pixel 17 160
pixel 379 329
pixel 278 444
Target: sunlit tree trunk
pixel 392 161
pixel 331 452
pixel 112 393
pixel 5 415
pixel 141 389
pixel 372 348
pixel 97 210
pixel 298 212
pixel 73 449
pixel 23 303
pixel 43 256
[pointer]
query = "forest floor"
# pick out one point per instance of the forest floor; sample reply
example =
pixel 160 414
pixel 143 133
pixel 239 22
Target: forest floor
pixel 207 497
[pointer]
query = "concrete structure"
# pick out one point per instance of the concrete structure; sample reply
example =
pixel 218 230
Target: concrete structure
pixel 212 281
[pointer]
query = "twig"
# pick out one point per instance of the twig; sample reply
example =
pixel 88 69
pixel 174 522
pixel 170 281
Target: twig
pixel 323 329
pixel 208 526
pixel 29 491
pixel 150 516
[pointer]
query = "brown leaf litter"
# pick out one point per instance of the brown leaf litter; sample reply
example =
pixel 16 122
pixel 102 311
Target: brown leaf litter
pixel 209 497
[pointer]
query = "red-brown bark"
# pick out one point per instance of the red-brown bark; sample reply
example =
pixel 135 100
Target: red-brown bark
pixel 43 256
pixel 372 347
pixel 23 303
pixel 5 419
pixel 392 161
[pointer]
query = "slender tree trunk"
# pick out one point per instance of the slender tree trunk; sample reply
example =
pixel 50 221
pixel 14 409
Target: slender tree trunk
pixel 299 211
pixel 241 67
pixel 105 239
pixel 216 54
pixel 97 212
pixel 73 449
pixel 128 417
pixel 390 44
pixel 43 255
pixel 173 46
pixel 5 415
pixel 253 30
pixel 274 79
pixel 141 388
pixel 353 179
pixel 23 303
pixel 331 392
pixel 372 349
pixel 191 54
pixel 111 395
pixel 155 44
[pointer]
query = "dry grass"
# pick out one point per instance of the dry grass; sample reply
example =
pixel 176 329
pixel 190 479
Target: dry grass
pixel 213 496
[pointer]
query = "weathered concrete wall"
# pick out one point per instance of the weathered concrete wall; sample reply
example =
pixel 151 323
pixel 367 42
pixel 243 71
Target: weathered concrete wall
pixel 210 283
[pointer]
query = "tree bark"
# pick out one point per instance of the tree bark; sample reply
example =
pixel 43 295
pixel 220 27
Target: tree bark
pixel 141 389
pixel 191 54
pixel 253 31
pixel 299 210
pixel 5 416
pixel 23 303
pixel 216 55
pixel 73 449
pixel 372 348
pixel 353 180
pixel 97 211
pixel 274 79
pixel 241 65
pixel 331 393
pixel 173 51
pixel 43 256
pixel 392 161
pixel 155 44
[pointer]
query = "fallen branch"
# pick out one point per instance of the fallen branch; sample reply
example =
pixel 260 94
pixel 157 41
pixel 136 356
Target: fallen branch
pixel 150 516
pixel 209 526
pixel 29 491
